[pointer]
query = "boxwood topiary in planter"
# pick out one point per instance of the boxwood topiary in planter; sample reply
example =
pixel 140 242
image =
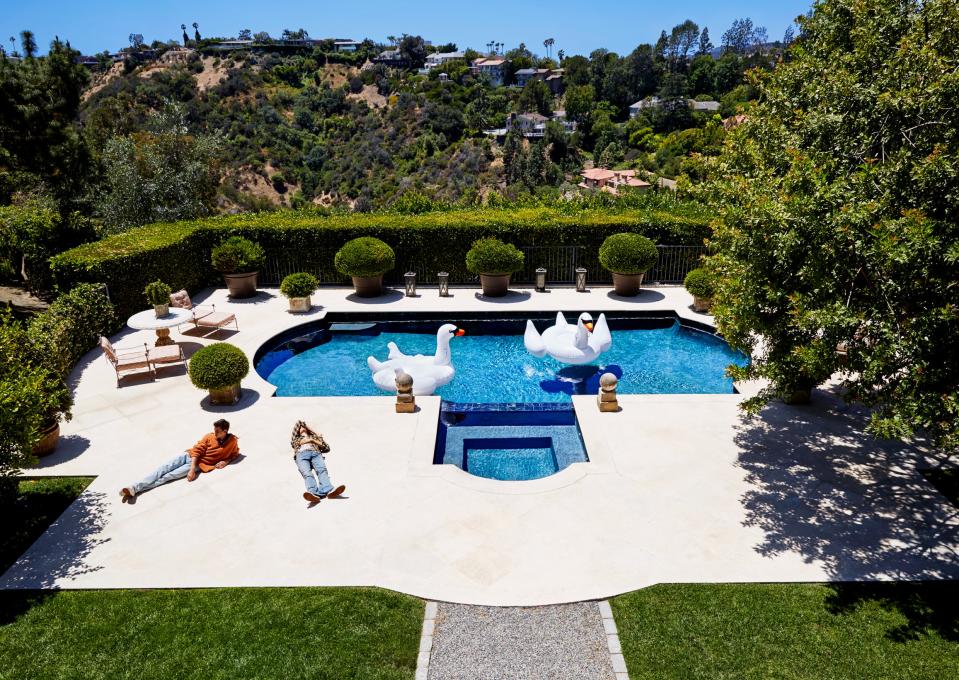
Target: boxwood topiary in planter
pixel 495 262
pixel 219 368
pixel 158 295
pixel 702 286
pixel 239 260
pixel 628 257
pixel 365 260
pixel 298 288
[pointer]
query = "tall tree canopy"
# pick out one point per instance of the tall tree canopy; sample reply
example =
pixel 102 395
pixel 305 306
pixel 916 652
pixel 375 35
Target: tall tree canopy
pixel 839 204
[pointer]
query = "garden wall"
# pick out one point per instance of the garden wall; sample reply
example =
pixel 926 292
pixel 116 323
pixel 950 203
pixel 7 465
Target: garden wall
pixel 179 253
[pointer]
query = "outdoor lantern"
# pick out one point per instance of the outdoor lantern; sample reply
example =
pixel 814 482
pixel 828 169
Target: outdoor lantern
pixel 541 279
pixel 410 279
pixel 580 279
pixel 443 278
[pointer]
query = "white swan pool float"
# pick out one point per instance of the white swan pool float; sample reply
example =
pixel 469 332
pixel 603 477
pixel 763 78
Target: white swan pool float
pixel 579 344
pixel 428 372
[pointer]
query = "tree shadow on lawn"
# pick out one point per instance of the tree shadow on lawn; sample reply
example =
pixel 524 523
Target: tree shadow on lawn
pixel 824 489
pixel 929 607
pixel 62 550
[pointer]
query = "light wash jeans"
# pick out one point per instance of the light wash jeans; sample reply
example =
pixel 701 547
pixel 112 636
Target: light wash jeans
pixel 308 461
pixel 175 468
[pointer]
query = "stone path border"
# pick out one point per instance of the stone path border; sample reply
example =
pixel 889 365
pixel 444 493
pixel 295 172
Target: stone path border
pixel 426 642
pixel 612 641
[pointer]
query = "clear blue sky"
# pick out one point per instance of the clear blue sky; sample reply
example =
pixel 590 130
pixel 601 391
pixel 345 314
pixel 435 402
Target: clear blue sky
pixel 578 26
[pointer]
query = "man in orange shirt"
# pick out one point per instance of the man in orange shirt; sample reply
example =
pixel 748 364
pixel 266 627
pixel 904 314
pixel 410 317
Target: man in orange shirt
pixel 214 452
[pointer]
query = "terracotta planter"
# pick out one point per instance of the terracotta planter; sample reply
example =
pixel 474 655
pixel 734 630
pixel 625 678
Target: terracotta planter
pixel 49 438
pixel 701 305
pixel 627 285
pixel 241 285
pixel 495 285
pixel 368 286
pixel 301 304
pixel 161 310
pixel 226 396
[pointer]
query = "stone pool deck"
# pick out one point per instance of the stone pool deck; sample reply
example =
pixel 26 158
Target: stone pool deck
pixel 679 488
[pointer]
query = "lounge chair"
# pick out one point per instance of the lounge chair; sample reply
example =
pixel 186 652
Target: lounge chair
pixel 127 359
pixel 166 355
pixel 204 316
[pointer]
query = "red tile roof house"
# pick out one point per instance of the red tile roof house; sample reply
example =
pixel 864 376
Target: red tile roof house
pixel 611 180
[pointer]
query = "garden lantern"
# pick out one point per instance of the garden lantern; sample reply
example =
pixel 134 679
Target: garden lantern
pixel 443 279
pixel 410 280
pixel 580 279
pixel 541 279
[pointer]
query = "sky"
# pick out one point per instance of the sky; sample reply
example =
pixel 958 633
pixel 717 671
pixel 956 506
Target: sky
pixel 577 26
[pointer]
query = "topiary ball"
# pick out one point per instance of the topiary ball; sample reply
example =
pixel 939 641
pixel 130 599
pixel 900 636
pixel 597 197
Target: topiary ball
pixel 628 254
pixel 217 366
pixel 299 285
pixel 492 256
pixel 364 257
pixel 237 255
pixel 700 283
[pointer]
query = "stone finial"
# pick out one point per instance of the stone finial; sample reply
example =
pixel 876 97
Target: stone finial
pixel 405 401
pixel 607 393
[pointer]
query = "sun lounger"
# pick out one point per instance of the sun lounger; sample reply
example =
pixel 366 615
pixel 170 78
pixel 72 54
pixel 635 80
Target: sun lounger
pixel 204 316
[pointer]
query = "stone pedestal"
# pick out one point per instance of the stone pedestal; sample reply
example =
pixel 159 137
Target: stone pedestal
pixel 405 401
pixel 606 399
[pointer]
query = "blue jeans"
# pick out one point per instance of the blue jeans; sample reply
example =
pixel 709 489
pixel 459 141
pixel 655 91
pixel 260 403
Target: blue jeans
pixel 308 461
pixel 175 468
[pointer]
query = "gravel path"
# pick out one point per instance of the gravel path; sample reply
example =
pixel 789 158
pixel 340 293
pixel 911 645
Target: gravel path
pixel 557 642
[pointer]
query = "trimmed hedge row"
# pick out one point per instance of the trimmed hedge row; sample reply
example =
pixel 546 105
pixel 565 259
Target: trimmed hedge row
pixel 179 252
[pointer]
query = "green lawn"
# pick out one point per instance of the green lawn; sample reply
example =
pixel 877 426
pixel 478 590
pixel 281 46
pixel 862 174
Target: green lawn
pixel 39 503
pixel 221 633
pixel 802 631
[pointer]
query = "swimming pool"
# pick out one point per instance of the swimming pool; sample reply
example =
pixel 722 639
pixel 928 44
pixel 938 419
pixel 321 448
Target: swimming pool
pixel 650 355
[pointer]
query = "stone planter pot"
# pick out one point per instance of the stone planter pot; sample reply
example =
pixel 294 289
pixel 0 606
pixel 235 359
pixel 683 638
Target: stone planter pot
pixel 627 285
pixel 161 310
pixel 49 438
pixel 226 396
pixel 495 285
pixel 301 304
pixel 241 285
pixel 701 305
pixel 368 286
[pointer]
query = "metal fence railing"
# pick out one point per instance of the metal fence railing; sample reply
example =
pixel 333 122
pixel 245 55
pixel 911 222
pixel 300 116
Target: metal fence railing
pixel 560 262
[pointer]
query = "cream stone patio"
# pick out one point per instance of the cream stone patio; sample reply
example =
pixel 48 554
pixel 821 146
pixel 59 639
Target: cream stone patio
pixel 678 487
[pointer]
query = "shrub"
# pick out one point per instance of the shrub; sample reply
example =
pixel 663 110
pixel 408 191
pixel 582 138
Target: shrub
pixel 492 256
pixel 299 285
pixel 157 293
pixel 237 255
pixel 218 365
pixel 364 256
pixel 700 283
pixel 72 326
pixel 179 252
pixel 628 254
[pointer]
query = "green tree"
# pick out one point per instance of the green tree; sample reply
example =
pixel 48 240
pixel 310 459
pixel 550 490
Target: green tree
pixel 535 96
pixel 838 243
pixel 165 174
pixel 579 103
pixel 413 50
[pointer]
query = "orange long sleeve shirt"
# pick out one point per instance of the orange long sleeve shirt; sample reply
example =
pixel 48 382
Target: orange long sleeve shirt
pixel 208 451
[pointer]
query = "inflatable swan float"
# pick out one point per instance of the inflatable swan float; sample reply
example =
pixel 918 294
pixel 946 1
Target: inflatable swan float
pixel 428 372
pixel 579 344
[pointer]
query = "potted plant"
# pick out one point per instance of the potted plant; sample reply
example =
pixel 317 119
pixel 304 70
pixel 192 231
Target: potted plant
pixel 158 295
pixel 56 400
pixel 239 260
pixel 219 368
pixel 628 257
pixel 702 286
pixel 298 288
pixel 365 260
pixel 495 262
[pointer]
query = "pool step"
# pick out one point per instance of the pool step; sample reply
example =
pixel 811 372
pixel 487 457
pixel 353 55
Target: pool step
pixel 356 328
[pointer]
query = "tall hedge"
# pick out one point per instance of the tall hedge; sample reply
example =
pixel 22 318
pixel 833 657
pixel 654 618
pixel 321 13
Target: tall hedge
pixel 179 252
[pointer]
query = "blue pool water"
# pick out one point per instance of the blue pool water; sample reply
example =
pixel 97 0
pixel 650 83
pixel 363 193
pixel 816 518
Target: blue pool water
pixel 492 365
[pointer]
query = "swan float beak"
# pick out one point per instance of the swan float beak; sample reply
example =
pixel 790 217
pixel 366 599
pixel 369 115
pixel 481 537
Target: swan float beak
pixel 589 327
pixel 459 332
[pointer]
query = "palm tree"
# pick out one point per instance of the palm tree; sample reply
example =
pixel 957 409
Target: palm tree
pixel 561 55
pixel 29 43
pixel 392 39
pixel 489 47
pixel 548 44
pixel 186 38
pixel 196 31
pixel 13 46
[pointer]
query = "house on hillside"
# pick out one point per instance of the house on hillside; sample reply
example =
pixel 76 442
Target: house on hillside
pixel 525 75
pixel 438 59
pixel 491 67
pixel 611 181
pixel 392 58
pixel 656 102
pixel 231 45
pixel 345 45
pixel 555 82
